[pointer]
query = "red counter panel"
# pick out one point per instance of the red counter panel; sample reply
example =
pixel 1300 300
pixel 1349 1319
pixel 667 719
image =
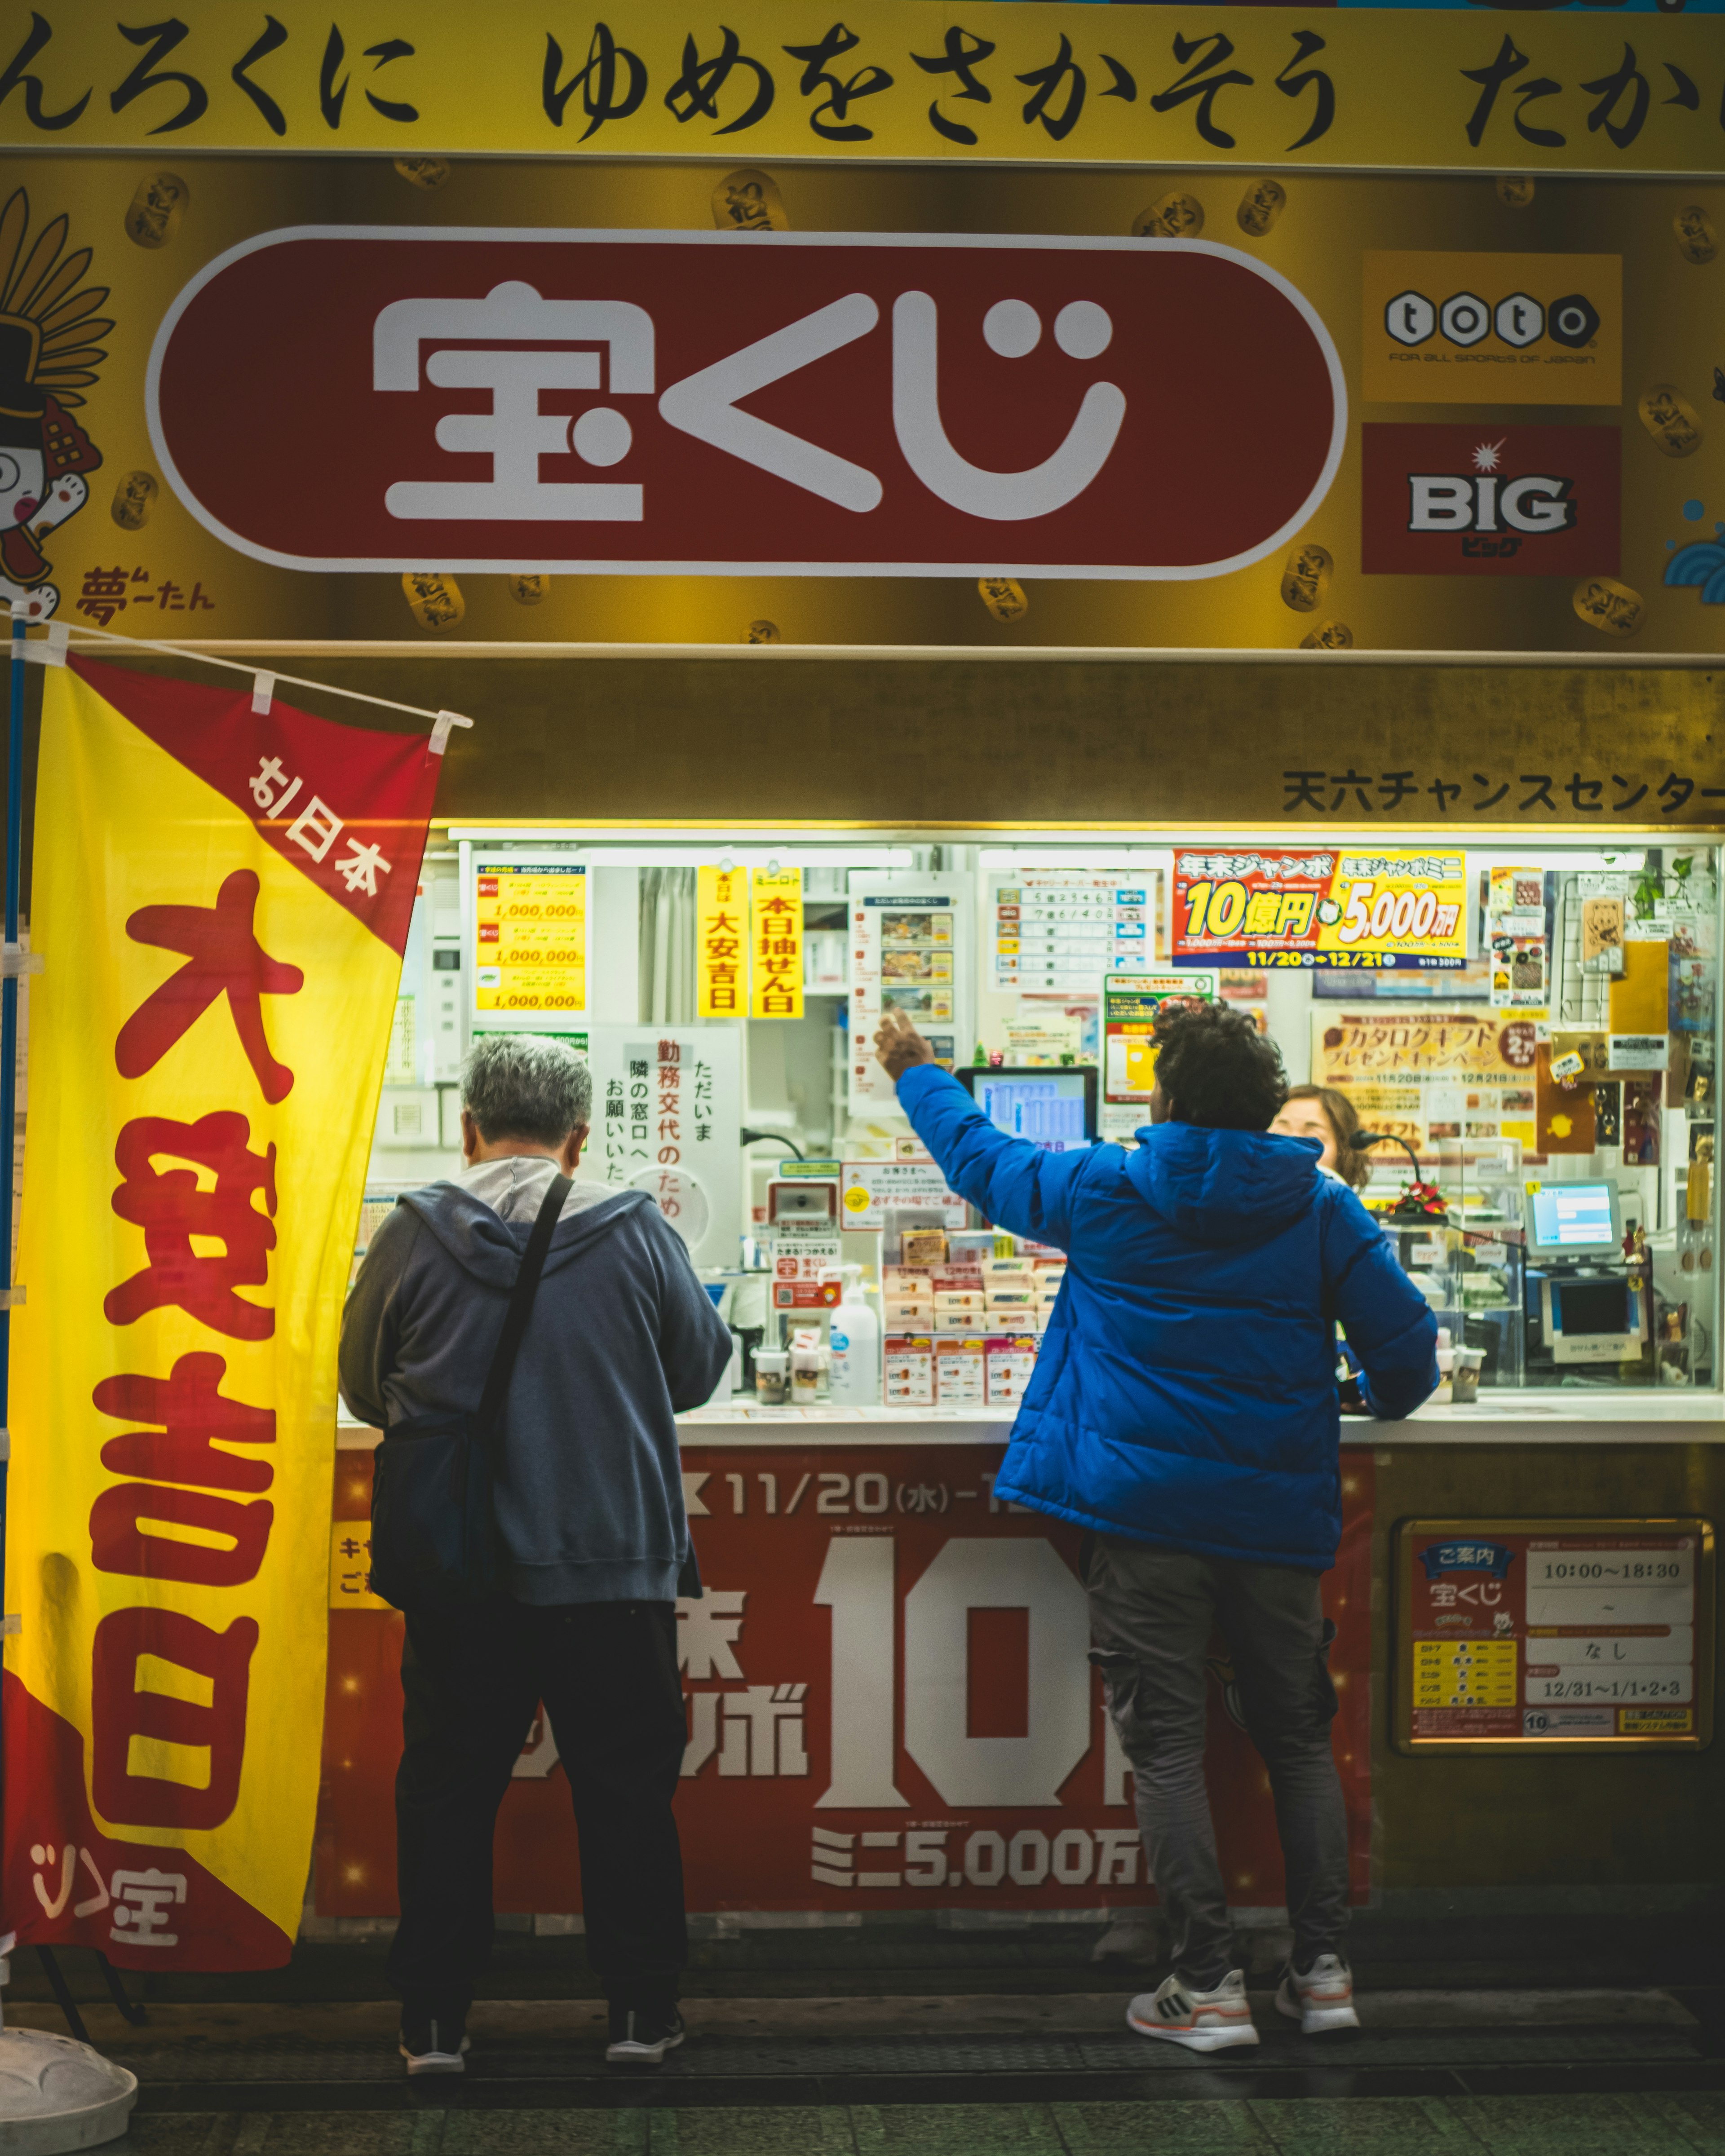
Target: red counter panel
pixel 889 1704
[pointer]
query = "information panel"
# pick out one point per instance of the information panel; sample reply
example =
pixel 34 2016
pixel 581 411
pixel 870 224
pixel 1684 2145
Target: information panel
pixel 1554 1632
pixel 1065 931
pixel 530 937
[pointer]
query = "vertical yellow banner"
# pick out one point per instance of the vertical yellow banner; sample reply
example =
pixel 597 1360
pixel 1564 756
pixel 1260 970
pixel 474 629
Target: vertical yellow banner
pixel 721 928
pixel 776 944
pixel 222 898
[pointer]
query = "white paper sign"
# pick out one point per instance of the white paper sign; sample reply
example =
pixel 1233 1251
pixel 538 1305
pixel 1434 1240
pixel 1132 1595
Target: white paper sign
pixel 668 1099
pixel 1638 1052
pixel 868 1187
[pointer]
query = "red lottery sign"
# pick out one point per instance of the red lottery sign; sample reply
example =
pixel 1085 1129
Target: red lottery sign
pixel 889 1705
pixel 790 403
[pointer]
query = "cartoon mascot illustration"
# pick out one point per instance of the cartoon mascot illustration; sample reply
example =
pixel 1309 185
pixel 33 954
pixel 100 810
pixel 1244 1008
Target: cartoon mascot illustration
pixel 48 357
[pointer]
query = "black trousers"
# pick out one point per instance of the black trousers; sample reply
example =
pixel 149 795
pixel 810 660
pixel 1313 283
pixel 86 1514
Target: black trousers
pixel 607 1673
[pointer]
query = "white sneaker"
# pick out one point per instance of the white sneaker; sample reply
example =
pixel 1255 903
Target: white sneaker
pixel 431 2045
pixel 1323 1999
pixel 1201 2021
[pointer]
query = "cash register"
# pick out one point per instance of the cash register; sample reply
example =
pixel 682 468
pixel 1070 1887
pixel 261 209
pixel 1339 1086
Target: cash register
pixel 1587 1306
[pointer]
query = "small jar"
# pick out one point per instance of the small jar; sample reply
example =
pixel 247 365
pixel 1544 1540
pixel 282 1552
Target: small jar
pixel 772 1365
pixel 805 1377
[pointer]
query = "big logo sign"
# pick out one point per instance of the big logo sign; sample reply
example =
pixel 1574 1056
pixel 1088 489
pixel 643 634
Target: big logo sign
pixel 352 397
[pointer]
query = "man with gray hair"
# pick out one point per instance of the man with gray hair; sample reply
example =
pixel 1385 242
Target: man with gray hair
pixel 588 1502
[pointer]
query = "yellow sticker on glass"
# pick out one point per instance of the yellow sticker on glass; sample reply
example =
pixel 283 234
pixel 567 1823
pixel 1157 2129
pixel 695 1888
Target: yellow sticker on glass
pixel 1003 598
pixel 1305 577
pixel 1696 240
pixel 1176 216
pixel 152 216
pixel 749 201
pixel 1604 604
pixel 435 599
pixel 134 497
pixel 1670 418
pixel 1263 202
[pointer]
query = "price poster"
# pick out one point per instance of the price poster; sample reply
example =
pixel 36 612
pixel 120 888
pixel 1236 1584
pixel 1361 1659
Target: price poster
pixel 1283 907
pixel 1063 930
pixel 1130 1004
pixel 530 935
pixel 1512 1633
pixel 906 939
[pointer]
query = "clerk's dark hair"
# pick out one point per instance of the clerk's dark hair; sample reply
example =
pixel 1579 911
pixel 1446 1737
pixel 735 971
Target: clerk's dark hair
pixel 1217 1068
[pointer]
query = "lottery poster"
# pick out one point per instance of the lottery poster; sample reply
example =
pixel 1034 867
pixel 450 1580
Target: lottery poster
pixel 1554 1632
pixel 1276 905
pixel 906 954
pixel 530 937
pixel 1130 1005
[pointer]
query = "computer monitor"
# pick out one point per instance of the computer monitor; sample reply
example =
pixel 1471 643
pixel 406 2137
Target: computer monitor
pixel 1052 1106
pixel 1573 1221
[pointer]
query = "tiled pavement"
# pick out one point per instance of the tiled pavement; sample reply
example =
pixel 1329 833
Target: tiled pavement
pixel 1628 2125
pixel 980 2046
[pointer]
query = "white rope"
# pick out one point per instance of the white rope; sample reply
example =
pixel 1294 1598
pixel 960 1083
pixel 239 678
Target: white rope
pixel 441 721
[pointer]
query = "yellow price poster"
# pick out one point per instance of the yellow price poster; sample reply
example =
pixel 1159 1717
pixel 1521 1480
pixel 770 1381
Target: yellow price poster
pixel 1130 1004
pixel 1276 905
pixel 776 944
pixel 721 931
pixel 530 929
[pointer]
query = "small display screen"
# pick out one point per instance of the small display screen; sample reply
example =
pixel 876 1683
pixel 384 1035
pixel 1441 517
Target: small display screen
pixel 1582 1307
pixel 1054 1109
pixel 1573 1216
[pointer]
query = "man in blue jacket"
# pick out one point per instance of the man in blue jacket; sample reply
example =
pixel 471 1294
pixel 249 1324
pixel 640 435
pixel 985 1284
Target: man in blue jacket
pixel 1184 1410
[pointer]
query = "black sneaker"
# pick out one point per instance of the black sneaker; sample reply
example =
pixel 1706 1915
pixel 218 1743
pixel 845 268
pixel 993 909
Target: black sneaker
pixel 641 2036
pixel 434 2042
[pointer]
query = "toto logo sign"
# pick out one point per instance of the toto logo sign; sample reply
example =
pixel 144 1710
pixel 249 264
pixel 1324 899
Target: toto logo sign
pixel 345 397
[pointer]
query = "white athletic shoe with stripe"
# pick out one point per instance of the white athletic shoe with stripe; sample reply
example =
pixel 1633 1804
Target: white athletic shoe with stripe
pixel 1322 2000
pixel 1202 2020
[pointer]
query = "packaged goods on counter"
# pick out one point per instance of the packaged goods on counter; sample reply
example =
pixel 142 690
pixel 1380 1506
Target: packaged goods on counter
pixel 1011 1360
pixel 909 1368
pixel 960 1377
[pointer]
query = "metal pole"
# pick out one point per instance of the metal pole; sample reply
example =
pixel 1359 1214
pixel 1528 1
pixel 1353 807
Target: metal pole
pixel 8 1039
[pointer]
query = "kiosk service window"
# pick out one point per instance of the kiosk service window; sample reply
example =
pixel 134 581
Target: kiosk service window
pixel 1530 1033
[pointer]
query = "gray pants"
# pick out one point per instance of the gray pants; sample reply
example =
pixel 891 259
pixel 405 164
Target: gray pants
pixel 1152 1612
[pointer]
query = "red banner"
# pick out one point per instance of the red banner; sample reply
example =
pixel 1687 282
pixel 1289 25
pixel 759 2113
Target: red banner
pixel 973 1765
pixel 933 405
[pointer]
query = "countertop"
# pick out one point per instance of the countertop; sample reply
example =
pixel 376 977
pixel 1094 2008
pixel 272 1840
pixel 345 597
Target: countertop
pixel 1575 1416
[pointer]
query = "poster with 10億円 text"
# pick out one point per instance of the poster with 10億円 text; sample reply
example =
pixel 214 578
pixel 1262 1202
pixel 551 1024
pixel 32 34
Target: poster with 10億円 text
pixel 1331 907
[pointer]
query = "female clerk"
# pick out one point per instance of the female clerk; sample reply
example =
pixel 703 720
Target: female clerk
pixel 1327 1116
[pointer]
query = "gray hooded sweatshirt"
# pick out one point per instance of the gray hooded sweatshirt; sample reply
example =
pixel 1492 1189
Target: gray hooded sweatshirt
pixel 623 1337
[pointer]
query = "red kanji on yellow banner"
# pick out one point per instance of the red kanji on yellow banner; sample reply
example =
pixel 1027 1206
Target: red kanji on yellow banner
pixel 776 944
pixel 223 898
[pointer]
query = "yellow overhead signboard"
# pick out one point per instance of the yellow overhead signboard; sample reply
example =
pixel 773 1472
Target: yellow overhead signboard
pixel 1396 88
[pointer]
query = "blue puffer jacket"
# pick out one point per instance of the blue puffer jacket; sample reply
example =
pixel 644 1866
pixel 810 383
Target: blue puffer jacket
pixel 1186 1389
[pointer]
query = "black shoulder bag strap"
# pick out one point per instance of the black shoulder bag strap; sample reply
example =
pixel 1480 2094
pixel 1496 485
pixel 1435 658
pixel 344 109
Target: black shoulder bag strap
pixel 521 1308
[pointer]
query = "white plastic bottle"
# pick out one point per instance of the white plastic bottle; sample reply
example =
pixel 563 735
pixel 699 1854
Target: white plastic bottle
pixel 854 1339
